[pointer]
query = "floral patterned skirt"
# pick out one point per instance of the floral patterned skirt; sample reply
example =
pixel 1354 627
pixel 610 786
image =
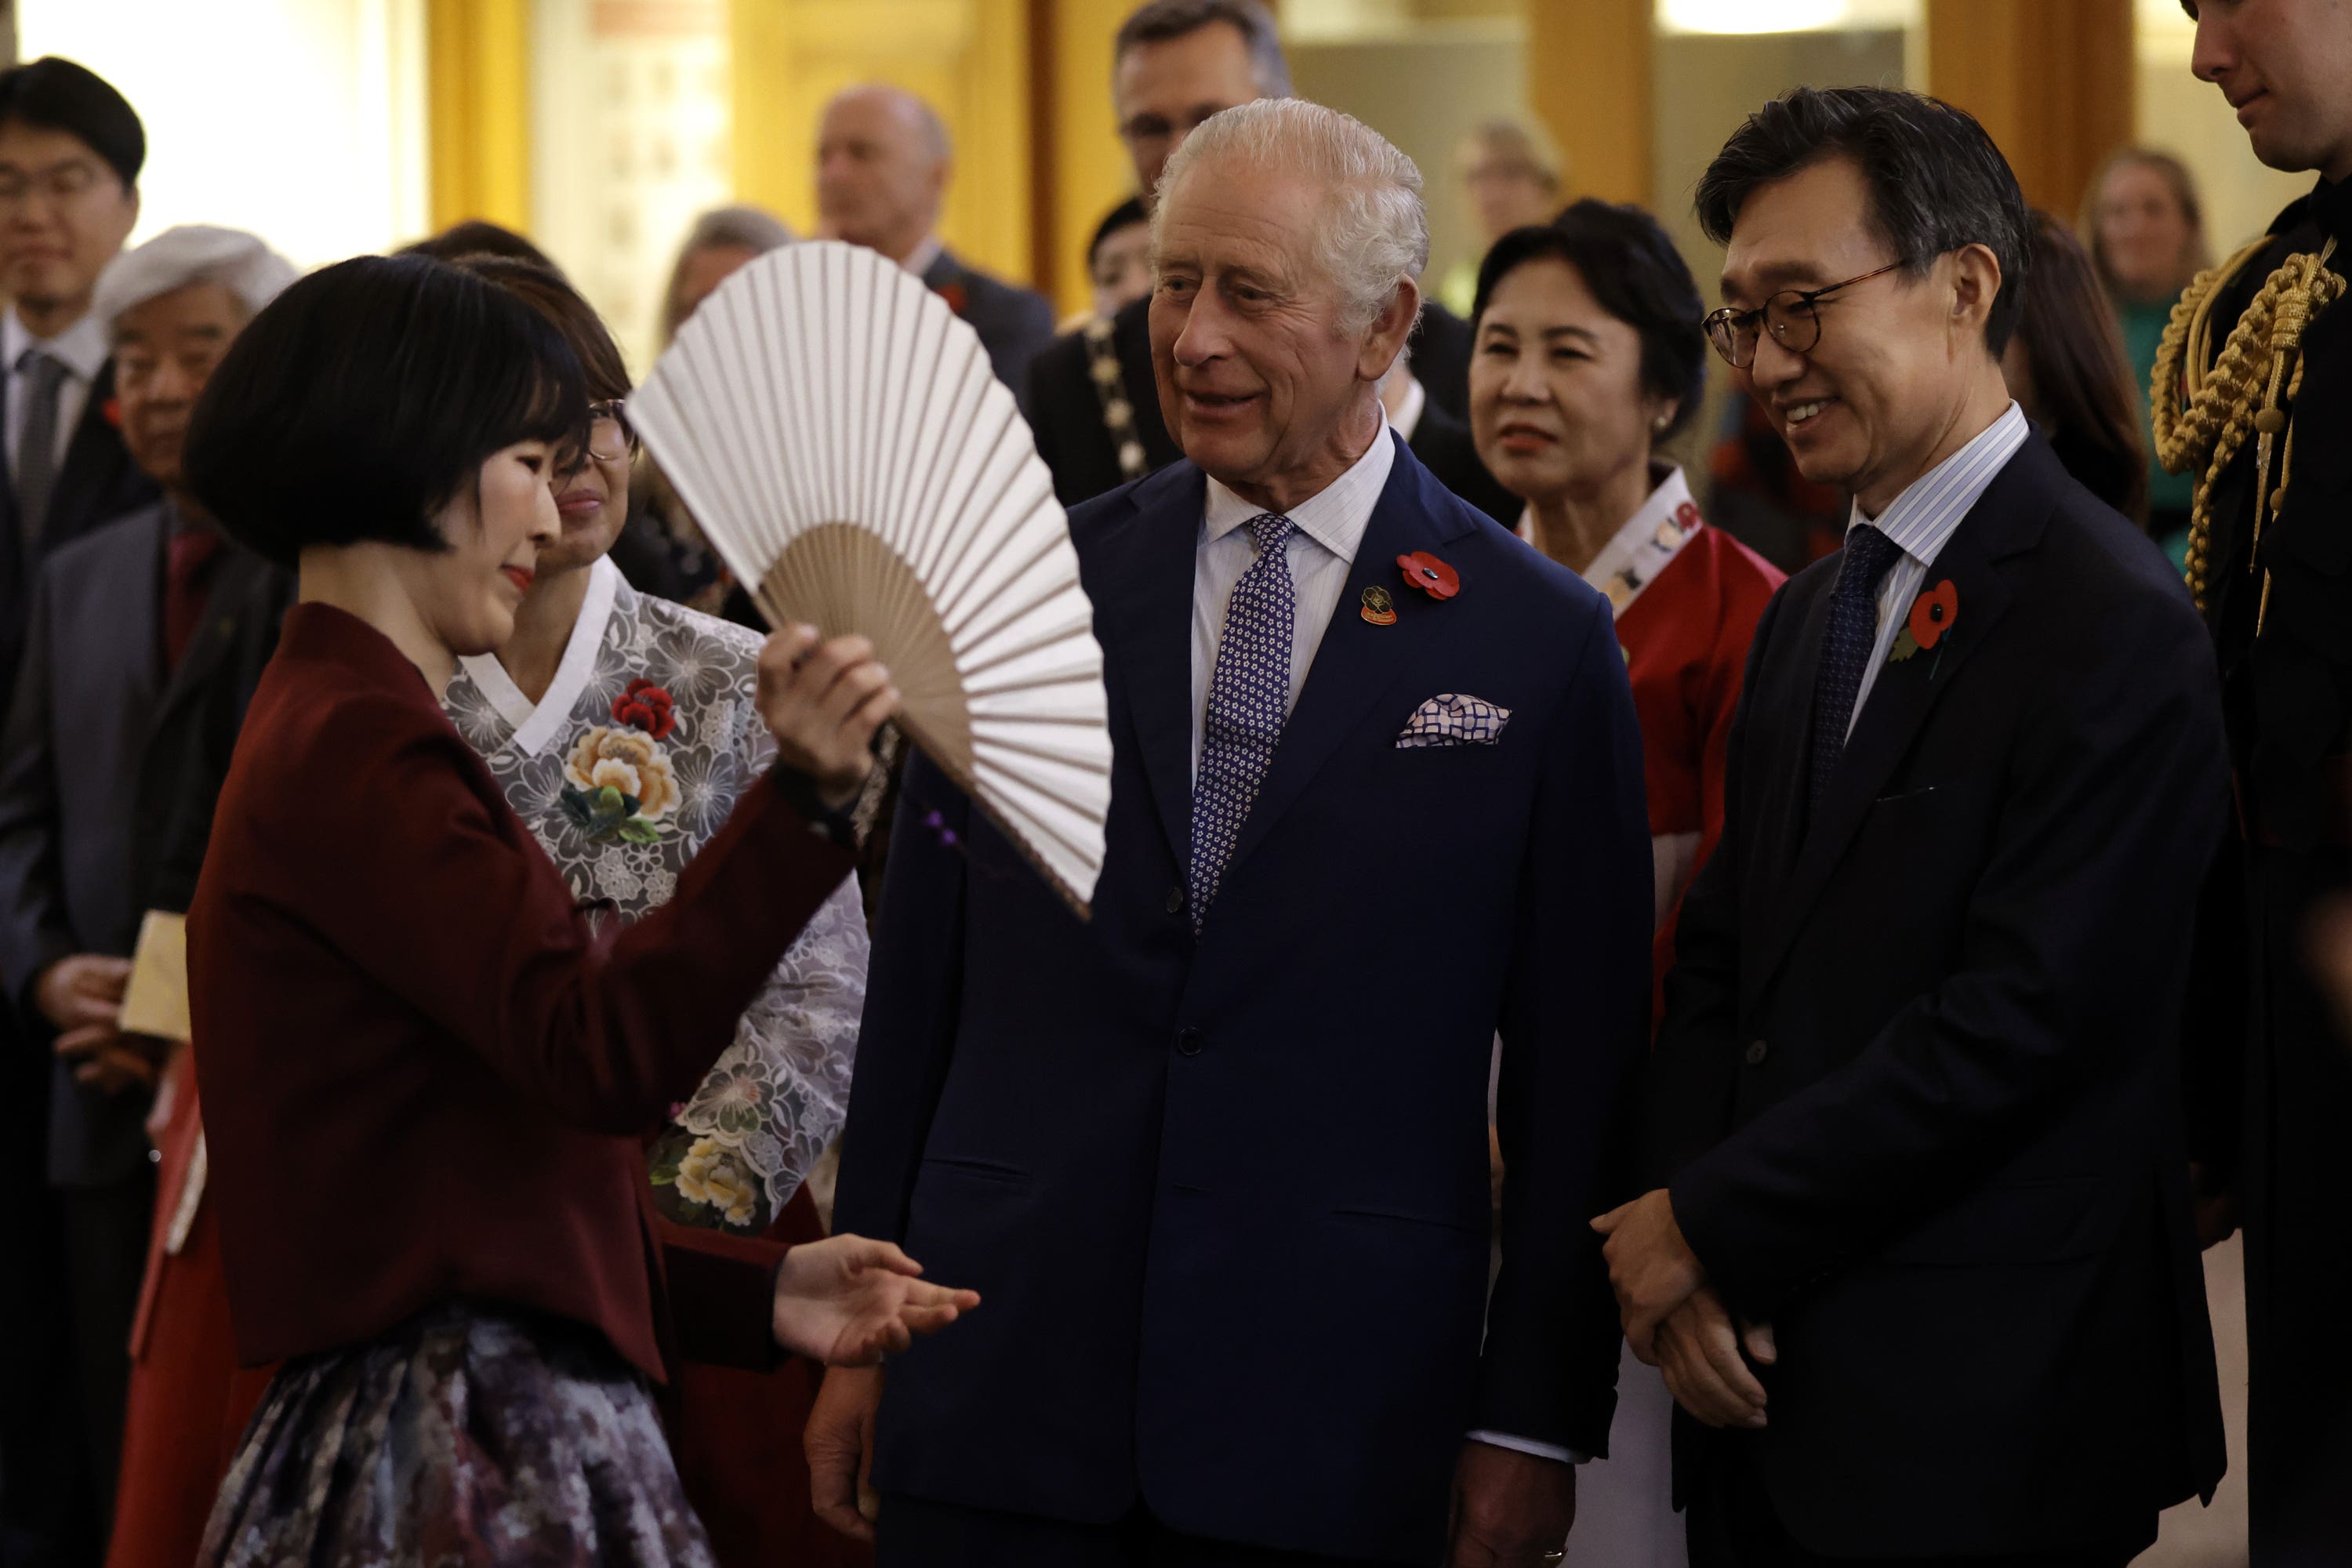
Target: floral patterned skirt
pixel 473 1433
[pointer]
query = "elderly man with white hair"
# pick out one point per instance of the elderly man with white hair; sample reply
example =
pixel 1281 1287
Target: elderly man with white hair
pixel 1376 797
pixel 146 636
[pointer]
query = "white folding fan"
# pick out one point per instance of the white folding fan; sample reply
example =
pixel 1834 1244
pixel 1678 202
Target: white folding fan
pixel 837 434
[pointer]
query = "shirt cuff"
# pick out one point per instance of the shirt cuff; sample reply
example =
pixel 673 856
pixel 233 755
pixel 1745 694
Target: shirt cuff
pixel 1530 1445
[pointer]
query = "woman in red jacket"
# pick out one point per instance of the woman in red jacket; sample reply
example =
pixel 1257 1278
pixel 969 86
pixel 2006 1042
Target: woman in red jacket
pixel 425 1081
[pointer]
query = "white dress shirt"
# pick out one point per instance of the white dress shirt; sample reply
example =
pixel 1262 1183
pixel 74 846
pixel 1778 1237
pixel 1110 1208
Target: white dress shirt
pixel 1328 530
pixel 1921 520
pixel 80 348
pixel 1321 552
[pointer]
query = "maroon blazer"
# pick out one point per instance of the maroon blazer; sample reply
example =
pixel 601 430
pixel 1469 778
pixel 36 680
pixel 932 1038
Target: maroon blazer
pixel 422 1078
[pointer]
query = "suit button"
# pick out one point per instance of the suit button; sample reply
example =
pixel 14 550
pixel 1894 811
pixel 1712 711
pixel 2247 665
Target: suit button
pixel 1176 899
pixel 1756 1052
pixel 1188 1042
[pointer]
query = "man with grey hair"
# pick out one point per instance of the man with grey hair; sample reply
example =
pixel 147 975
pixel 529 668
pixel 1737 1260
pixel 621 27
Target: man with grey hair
pixel 721 241
pixel 1376 797
pixel 883 159
pixel 145 637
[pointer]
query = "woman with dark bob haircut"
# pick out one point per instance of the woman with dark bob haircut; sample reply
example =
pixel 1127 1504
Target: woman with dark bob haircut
pixel 427 1082
pixel 1587 354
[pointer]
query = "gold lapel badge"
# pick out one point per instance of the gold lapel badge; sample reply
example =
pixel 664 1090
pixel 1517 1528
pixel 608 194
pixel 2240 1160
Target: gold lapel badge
pixel 1378 608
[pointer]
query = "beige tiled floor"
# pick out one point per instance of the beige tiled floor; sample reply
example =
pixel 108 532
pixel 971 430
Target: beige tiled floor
pixel 2196 1536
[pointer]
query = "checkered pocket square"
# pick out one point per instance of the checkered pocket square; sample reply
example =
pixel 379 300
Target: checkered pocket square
pixel 1453 719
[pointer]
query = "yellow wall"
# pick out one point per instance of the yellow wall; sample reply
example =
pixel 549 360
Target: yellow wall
pixel 1589 78
pixel 968 58
pixel 478 110
pixel 2051 80
pixel 1082 167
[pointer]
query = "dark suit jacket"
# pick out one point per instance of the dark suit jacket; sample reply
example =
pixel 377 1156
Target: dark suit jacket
pixel 95 483
pixel 1445 447
pixel 1202 1139
pixel 475 1130
pixel 1064 410
pixel 1917 1088
pixel 1013 322
pixel 108 773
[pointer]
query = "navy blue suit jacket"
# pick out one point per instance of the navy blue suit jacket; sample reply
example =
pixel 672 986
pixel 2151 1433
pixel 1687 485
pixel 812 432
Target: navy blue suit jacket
pixel 1917 1090
pixel 1227 1198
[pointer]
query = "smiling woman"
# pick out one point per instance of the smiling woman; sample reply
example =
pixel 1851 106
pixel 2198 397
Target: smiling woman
pixel 393 425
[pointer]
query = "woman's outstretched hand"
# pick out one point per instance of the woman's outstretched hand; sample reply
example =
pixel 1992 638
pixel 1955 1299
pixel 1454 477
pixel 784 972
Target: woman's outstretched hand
pixel 823 703
pixel 850 1301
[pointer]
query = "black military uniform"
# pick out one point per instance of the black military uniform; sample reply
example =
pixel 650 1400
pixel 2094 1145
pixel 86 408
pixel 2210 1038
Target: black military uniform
pixel 2274 1052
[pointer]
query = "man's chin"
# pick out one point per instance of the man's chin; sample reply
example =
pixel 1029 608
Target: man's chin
pixel 1825 467
pixel 1228 459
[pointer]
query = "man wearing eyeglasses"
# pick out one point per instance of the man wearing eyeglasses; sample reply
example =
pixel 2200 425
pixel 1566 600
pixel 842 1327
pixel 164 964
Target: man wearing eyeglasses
pixel 1918 1259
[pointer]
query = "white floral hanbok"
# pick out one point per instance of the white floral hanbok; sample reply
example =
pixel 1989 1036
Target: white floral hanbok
pixel 631 761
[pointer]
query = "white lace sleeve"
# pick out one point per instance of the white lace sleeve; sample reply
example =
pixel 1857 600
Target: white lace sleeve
pixel 740 1147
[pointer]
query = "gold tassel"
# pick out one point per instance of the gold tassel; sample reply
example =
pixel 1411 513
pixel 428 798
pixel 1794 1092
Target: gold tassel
pixel 2202 417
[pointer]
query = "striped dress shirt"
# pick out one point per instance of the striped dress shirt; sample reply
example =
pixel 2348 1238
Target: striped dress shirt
pixel 1922 520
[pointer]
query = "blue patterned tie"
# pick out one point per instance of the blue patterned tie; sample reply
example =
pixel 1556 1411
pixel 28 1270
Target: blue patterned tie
pixel 1249 697
pixel 1845 650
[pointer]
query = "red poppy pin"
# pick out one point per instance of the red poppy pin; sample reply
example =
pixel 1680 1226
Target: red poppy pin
pixel 112 411
pixel 648 708
pixel 1932 614
pixel 954 295
pixel 1430 575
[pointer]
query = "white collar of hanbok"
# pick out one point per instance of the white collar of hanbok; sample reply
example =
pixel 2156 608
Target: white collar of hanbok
pixel 539 726
pixel 1651 538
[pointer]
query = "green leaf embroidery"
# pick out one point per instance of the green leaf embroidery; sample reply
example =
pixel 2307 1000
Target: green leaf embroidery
pixel 637 830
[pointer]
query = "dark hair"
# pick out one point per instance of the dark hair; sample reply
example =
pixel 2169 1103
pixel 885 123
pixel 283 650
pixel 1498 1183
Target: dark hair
pixel 1936 181
pixel 57 95
pixel 1126 215
pixel 2082 380
pixel 366 397
pixel 479 237
pixel 1632 266
pixel 543 289
pixel 1158 21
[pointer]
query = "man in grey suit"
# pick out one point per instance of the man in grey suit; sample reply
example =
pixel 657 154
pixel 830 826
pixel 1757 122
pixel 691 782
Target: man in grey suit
pixel 145 638
pixel 883 161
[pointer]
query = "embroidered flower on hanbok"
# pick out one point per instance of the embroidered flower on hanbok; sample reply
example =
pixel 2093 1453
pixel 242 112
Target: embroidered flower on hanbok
pixel 621 783
pixel 737 1095
pixel 647 706
pixel 713 1176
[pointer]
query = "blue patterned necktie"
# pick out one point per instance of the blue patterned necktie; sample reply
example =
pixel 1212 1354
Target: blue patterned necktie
pixel 1845 650
pixel 1249 699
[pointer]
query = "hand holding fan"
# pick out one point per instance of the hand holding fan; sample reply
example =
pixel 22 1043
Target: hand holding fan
pixel 838 435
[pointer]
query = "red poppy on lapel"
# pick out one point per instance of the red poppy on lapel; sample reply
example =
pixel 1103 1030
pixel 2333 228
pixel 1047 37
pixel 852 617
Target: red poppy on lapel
pixel 112 411
pixel 1430 575
pixel 954 295
pixel 1933 613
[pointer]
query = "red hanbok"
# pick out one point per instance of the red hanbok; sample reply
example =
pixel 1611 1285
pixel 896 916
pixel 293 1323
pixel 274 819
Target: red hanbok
pixel 1687 598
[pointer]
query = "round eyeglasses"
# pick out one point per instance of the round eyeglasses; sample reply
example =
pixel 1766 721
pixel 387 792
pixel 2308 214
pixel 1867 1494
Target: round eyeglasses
pixel 1792 316
pixel 611 437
